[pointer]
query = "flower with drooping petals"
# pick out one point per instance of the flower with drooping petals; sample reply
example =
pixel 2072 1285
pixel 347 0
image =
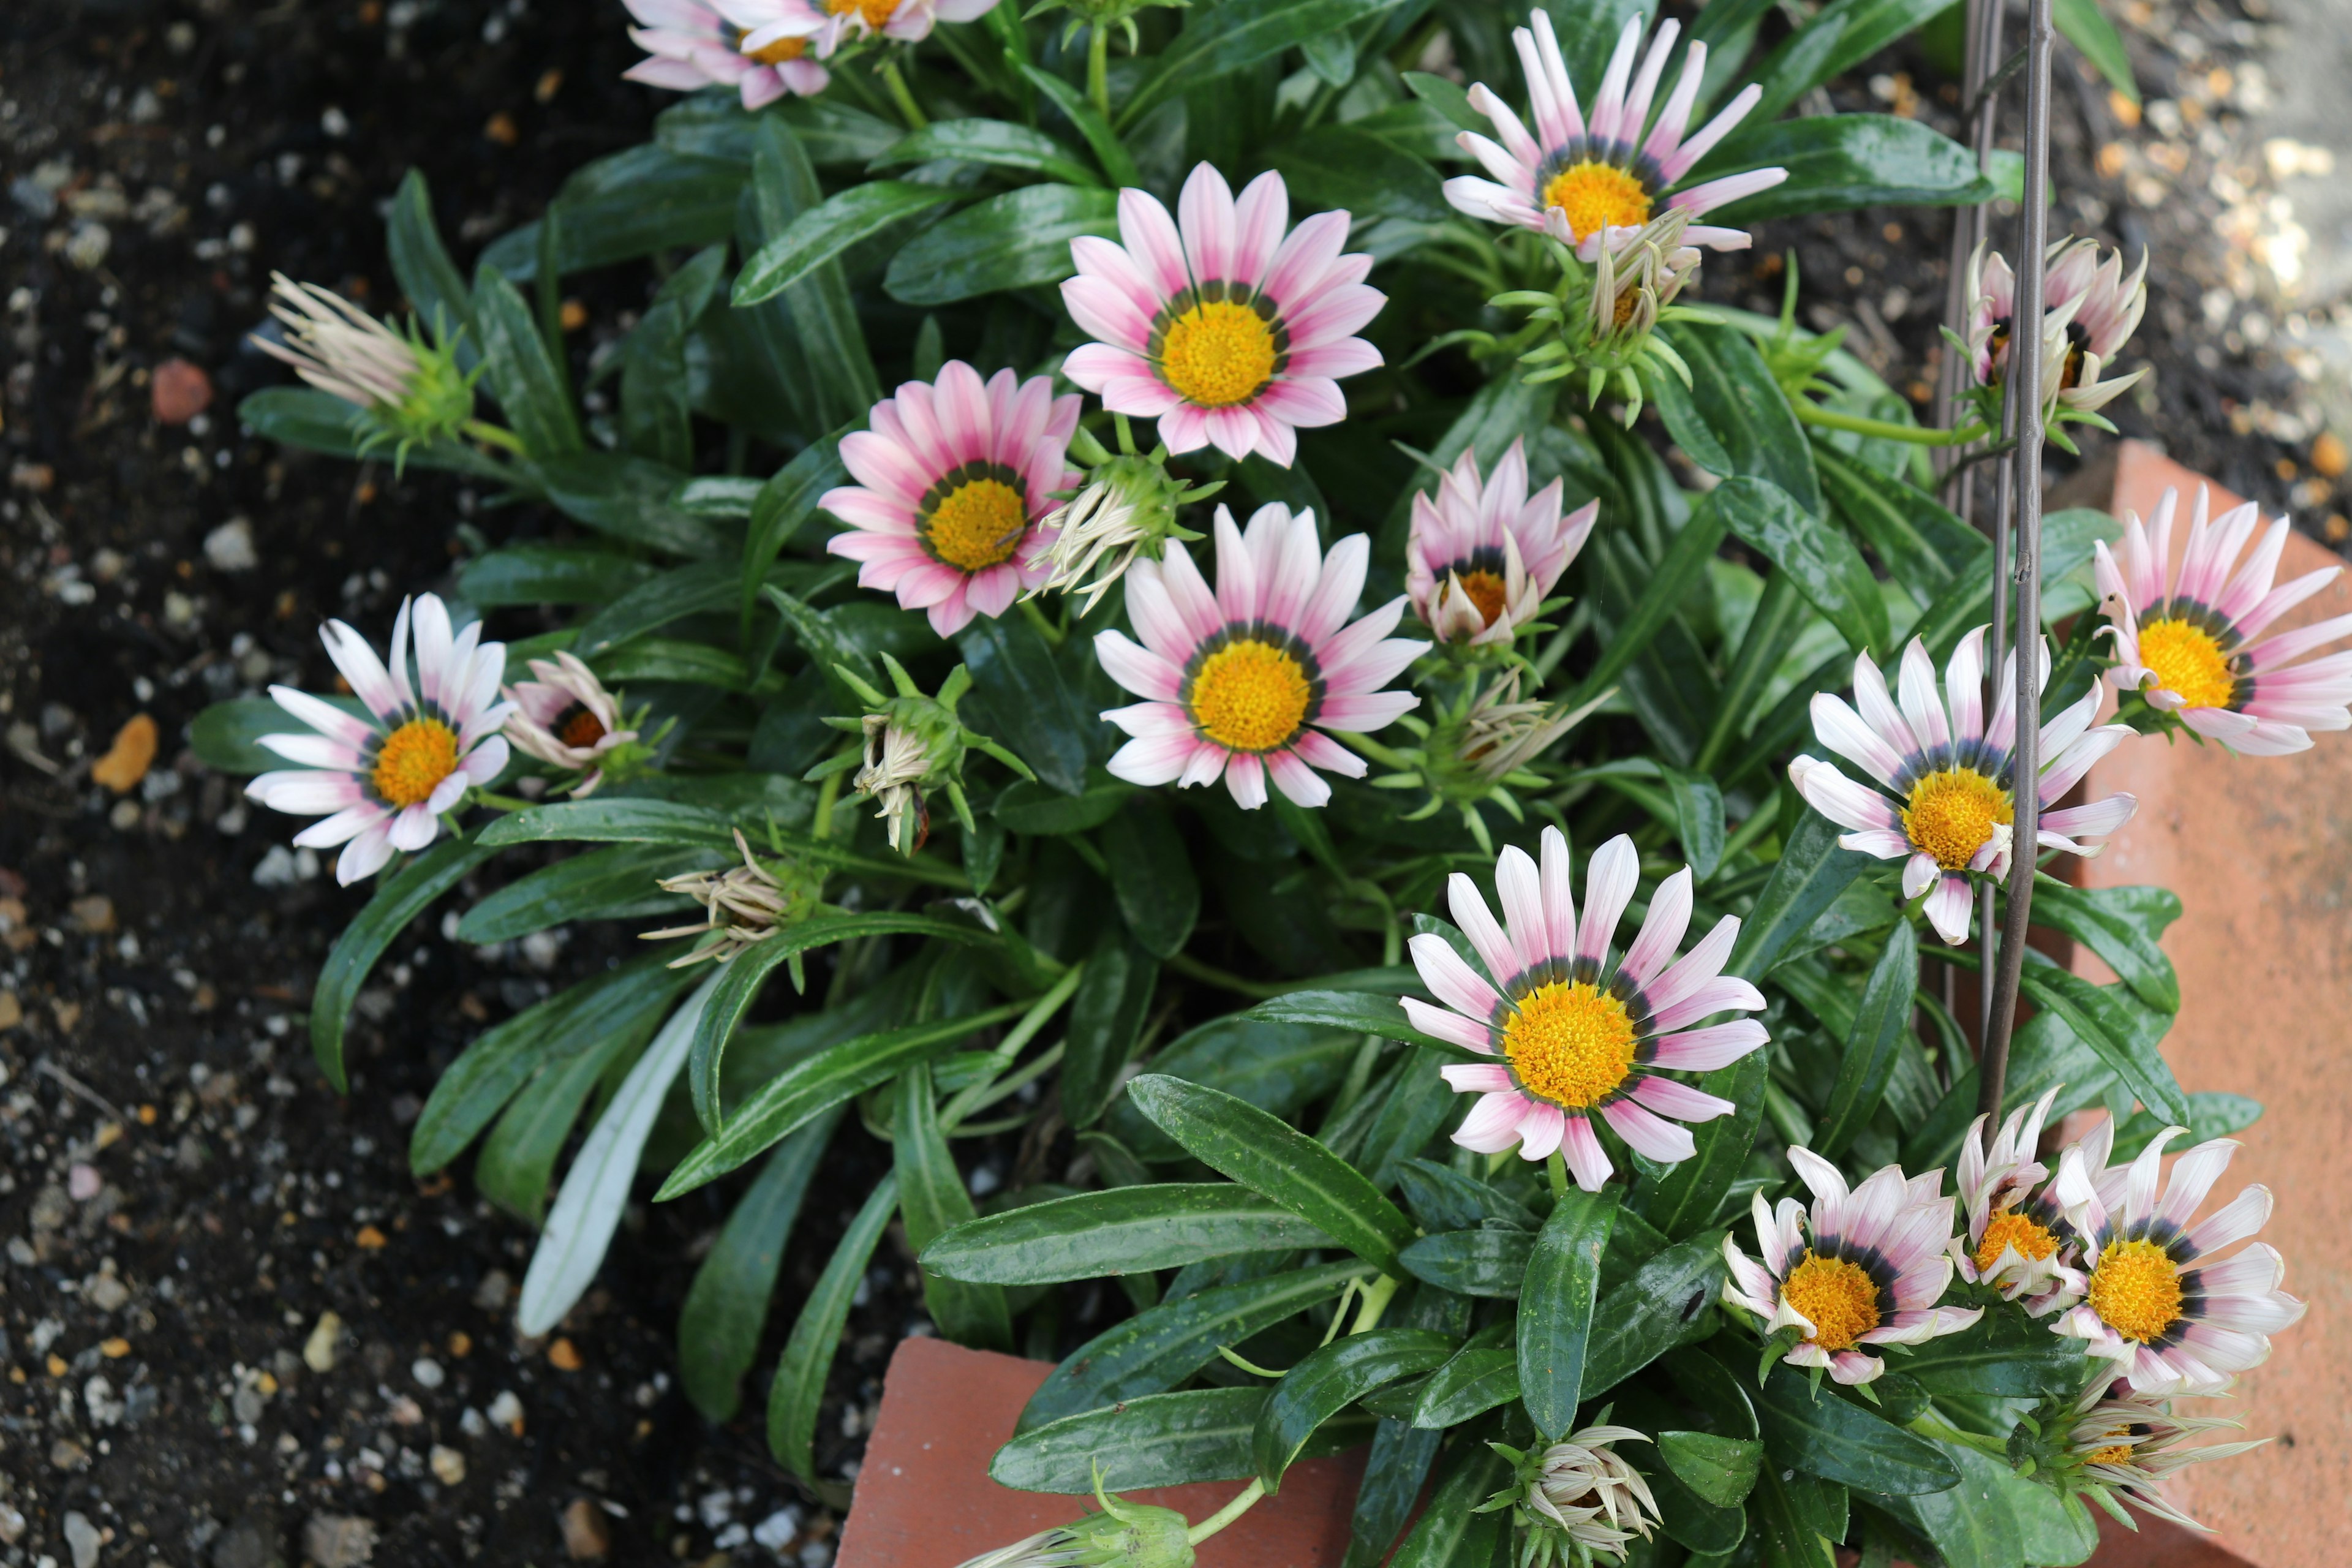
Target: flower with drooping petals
pixel 2132 1444
pixel 1602 175
pixel 826 25
pixel 690 45
pixel 1580 1032
pixel 1944 802
pixel 1243 681
pixel 1216 323
pixel 567 718
pixel 383 781
pixel 954 478
pixel 1484 553
pixel 2089 311
pixel 1578 1498
pixel 2193 645
pixel 743 905
pixel 2156 1300
pixel 2017 1242
pixel 1864 1267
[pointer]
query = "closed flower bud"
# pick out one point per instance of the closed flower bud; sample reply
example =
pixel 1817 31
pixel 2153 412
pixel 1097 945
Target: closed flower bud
pixel 407 391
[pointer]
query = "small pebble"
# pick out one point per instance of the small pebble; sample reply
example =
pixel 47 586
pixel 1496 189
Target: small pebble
pixel 83 1540
pixel 505 1411
pixel 229 547
pixel 337 1541
pixel 180 390
pixel 585 1536
pixel 127 761
pixel 428 1372
pixel 83 1183
pixel 319 1350
pixel 563 1356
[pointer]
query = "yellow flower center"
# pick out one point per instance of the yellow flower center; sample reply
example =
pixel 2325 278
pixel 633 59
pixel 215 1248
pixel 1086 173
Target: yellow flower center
pixel 414 760
pixel 2121 1454
pixel 780 51
pixel 1484 590
pixel 875 13
pixel 1250 696
pixel 2013 1227
pixel 1593 196
pixel 979 523
pixel 1218 354
pixel 1572 1044
pixel 2136 1290
pixel 1837 1297
pixel 1952 813
pixel 2189 663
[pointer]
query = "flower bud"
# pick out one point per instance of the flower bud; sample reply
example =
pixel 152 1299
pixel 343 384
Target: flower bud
pixel 567 718
pixel 407 391
pixel 1126 507
pixel 1576 1499
pixel 1124 1535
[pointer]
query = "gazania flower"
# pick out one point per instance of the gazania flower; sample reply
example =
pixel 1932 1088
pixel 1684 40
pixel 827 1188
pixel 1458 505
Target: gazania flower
pixel 1243 681
pixel 1944 802
pixel 2131 1443
pixel 952 480
pixel 406 389
pixel 1482 555
pixel 1860 1268
pixel 1126 509
pixel 1124 1535
pixel 826 25
pixel 2016 1237
pixel 566 719
pixel 2089 311
pixel 387 778
pixel 1602 174
pixel 2194 646
pixel 692 44
pixel 1580 1032
pixel 743 905
pixel 2156 1300
pixel 1216 324
pixel 1578 1498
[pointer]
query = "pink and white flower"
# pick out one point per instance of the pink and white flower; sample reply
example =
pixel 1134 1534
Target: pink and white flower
pixel 1218 324
pixel 2132 1444
pixel 2089 311
pixel 954 478
pixel 826 25
pixel 2193 645
pixel 2175 1317
pixel 1943 804
pixel 383 782
pixel 1236 681
pixel 1865 1267
pixel 690 45
pixel 566 719
pixel 1602 175
pixel 1581 1032
pixel 1484 553
pixel 2017 1241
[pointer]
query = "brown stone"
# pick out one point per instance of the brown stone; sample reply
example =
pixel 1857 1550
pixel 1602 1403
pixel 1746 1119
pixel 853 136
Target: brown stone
pixel 585 1535
pixel 180 390
pixel 127 761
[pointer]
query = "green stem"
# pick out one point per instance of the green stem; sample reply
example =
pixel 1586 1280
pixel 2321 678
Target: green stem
pixel 888 69
pixel 1184 964
pixel 820 824
pixel 1045 629
pixel 1811 412
pixel 1372 749
pixel 499 802
pixel 1098 70
pixel 1377 1296
pixel 1556 1169
pixel 491 434
pixel 976 1097
pixel 1245 1499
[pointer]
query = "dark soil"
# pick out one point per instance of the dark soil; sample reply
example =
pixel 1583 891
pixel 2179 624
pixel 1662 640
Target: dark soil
pixel 182 1196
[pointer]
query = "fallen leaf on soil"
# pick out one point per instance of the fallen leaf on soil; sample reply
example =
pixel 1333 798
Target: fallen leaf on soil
pixel 127 760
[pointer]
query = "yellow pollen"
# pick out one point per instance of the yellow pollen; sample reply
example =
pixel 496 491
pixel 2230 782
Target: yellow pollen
pixel 1218 354
pixel 1571 1044
pixel 2136 1290
pixel 2121 1454
pixel 1250 696
pixel 1623 311
pixel 2187 662
pixel 1484 589
pixel 1837 1297
pixel 875 13
pixel 979 523
pixel 2012 1227
pixel 414 760
pixel 1952 814
pixel 1596 196
pixel 777 53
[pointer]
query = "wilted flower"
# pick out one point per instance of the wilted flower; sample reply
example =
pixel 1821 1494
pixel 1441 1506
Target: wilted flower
pixel 1482 555
pixel 826 25
pixel 1476 746
pixel 1601 176
pixel 1125 507
pixel 2016 1241
pixel 1871 1270
pixel 1124 1535
pixel 2126 1443
pixel 1577 1498
pixel 912 744
pixel 743 905
pixel 693 44
pixel 383 781
pixel 2089 311
pixel 565 718
pixel 2188 646
pixel 408 391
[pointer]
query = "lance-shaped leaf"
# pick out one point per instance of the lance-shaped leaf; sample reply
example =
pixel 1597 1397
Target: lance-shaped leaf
pixel 822 233
pixel 1823 562
pixel 799 1388
pixel 1732 390
pixel 1452 1534
pixel 610 820
pixel 2114 1024
pixel 1837 161
pixel 1358 1011
pixel 1159 1440
pixel 1219 40
pixel 998 143
pixel 1811 872
pixel 1481 1375
pixel 1821 1432
pixel 1472 1262
pixel 399 897
pixel 1126 1230
pixel 1019 239
pixel 1556 1302
pixel 2121 925
pixel 1666 1303
pixel 1872 1046
pixel 933 1198
pixel 1330 1380
pixel 605 884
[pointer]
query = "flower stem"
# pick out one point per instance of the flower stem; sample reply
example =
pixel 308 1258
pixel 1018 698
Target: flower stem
pixel 1811 412
pixel 820 824
pixel 491 434
pixel 1244 1500
pixel 1098 70
pixel 1556 1169
pixel 1372 749
pixel 499 802
pixel 1045 629
pixel 888 69
pixel 1184 964
pixel 1377 1296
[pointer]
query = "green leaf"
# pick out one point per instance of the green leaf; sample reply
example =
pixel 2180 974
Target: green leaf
pixel 656 411
pixel 719 1327
pixel 227 736
pixel 632 204
pixel 1408 1119
pixel 1922 545
pixel 809 1086
pixel 2001 1356
pixel 1556 1304
pixel 1270 1157
pixel 1395 1472
pixel 1016 240
pixel 522 375
pixel 1720 1470
pixel 1972 1523
pixel 1687 1198
pixel 1100 138
pixel 1825 565
pixel 1811 872
pixel 1105 1020
pixel 1330 1379
pixel 1342 167
pixel 998 143
pixel 691 590
pixel 676 660
pixel 1451 1532
pixel 421 265
pixel 824 232
pixel 401 895
pixel 1481 1375
pixel 1027 707
pixel 1035 807
pixel 518 1158
pixel 933 1199
pixel 1791 1511
pixel 1358 1011
pixel 1450 99
pixel 1733 391
pixel 1678 574
pixel 2088 28
pixel 612 819
pixel 535 573
pixel 2211 1115
pixel 784 504
pixel 607 884
pixel 1157 1440
pixel 632 499
pixel 2113 1025
pixel 1821 1432
pixel 1126 1230
pixel 1837 161
pixel 1443 1199
pixel 1489 1263
pixel 1151 876
pixel 1665 1304
pixel 1835 39
pixel 1165 1345
pixel 1698 814
pixel 1880 1023
pixel 807 1361
pixel 1221 39
pixel 2121 925
pixel 818 321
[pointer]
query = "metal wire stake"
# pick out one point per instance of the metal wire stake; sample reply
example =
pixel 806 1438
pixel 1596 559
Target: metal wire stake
pixel 1984 28
pixel 2025 373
